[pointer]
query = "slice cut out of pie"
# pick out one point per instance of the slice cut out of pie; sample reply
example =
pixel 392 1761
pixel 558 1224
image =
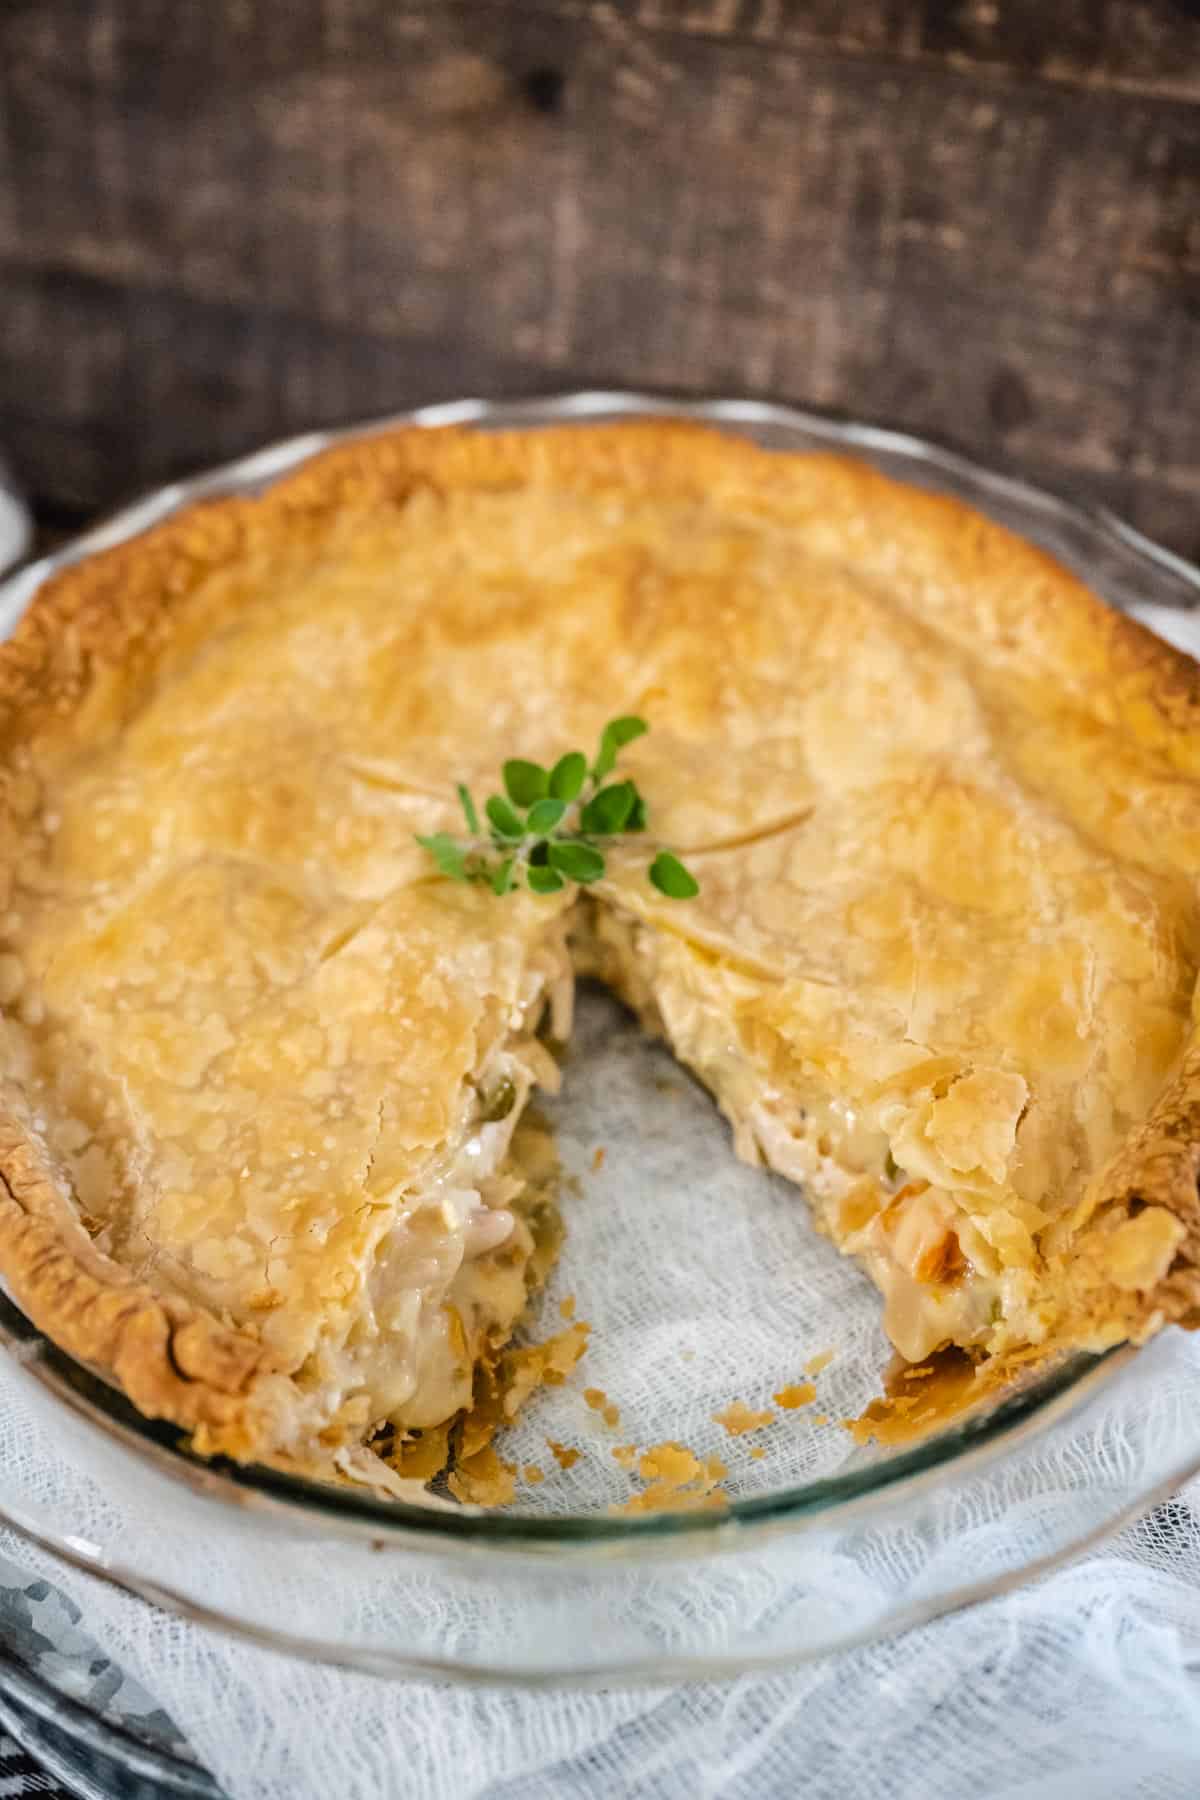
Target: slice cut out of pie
pixel 261 1065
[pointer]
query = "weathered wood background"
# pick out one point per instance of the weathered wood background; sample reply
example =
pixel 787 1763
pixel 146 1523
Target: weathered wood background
pixel 222 220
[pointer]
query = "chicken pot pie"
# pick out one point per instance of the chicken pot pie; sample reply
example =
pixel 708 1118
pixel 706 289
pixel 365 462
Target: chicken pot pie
pixel 262 1066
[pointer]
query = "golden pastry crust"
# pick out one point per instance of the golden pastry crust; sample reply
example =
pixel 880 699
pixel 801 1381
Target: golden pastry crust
pixel 174 1360
pixel 1036 646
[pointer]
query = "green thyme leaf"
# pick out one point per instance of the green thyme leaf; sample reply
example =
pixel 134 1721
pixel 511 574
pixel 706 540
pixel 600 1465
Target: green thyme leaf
pixel 524 782
pixel 671 878
pixel 545 814
pixel 568 776
pixel 449 856
pixel 616 734
pixel 539 856
pixel 468 806
pixel 504 820
pixel 579 862
pixel 623 731
pixel 608 811
pixel 637 817
pixel 543 881
pixel 502 875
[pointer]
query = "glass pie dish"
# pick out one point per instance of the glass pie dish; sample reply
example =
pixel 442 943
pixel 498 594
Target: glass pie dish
pixel 726 1338
pixel 15 530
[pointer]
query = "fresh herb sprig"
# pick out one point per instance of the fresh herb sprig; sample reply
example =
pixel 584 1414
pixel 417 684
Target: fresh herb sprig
pixel 549 825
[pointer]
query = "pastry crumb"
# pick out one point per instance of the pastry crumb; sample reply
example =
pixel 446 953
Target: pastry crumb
pixel 533 1473
pixel 596 1398
pixel 798 1394
pixel 480 1475
pixel 598 1160
pixel 815 1364
pixel 892 1413
pixel 757 1453
pixel 677 1480
pixel 611 1415
pixel 423 1456
pixel 820 1418
pixel 535 1365
pixel 484 1479
pixel 738 1418
pixel 565 1455
pixel 670 1463
pixel 663 1498
pixel 566 1307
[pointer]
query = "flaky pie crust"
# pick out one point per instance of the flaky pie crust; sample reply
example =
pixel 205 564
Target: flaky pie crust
pixel 111 622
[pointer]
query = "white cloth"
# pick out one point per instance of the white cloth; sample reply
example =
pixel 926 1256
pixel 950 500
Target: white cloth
pixel 1084 1684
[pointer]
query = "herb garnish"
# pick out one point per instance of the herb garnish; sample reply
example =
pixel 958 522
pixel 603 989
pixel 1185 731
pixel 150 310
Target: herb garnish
pixel 547 827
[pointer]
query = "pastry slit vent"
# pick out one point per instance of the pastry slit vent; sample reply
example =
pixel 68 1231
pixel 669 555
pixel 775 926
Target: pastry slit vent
pixel 758 834
pixel 379 775
pixel 341 939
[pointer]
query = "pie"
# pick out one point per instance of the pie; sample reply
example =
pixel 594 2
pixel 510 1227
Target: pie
pixel 262 1065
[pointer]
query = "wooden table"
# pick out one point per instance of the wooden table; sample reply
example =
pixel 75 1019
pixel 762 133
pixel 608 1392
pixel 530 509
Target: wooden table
pixel 228 220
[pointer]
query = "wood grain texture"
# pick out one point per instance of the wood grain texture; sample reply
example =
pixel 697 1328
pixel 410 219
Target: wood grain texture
pixel 222 223
pixel 1135 46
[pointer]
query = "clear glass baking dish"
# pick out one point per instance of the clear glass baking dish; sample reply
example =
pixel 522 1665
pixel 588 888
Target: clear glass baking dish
pixel 824 1543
